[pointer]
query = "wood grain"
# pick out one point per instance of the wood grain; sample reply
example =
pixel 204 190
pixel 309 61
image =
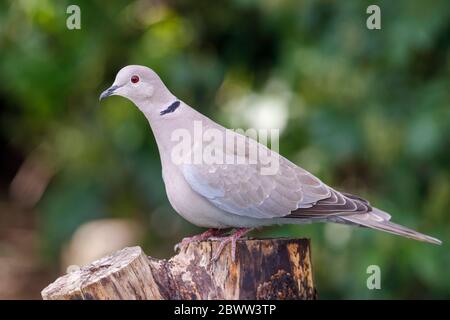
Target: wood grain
pixel 264 269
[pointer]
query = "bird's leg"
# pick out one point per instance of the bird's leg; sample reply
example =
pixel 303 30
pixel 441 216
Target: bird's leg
pixel 231 238
pixel 199 237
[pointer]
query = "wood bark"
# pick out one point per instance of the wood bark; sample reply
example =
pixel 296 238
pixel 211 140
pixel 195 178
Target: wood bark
pixel 264 269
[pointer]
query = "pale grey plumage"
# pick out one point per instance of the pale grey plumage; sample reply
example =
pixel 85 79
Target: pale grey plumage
pixel 238 195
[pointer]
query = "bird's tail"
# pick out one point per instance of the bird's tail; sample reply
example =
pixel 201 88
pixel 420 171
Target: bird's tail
pixel 378 219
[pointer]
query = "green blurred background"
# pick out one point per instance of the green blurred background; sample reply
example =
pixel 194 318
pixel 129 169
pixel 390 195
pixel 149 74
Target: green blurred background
pixel 366 111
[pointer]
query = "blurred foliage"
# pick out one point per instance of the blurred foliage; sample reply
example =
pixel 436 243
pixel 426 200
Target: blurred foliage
pixel 367 111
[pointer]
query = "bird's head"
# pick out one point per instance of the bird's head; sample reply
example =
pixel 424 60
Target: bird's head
pixel 140 85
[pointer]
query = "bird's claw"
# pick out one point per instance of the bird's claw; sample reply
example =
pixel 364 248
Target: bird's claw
pixel 177 247
pixel 199 237
pixel 184 242
pixel 223 241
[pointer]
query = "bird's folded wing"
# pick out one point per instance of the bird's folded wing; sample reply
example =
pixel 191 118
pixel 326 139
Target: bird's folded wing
pixel 244 190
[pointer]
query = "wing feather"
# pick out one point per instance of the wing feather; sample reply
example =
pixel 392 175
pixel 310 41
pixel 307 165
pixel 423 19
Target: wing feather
pixel 290 192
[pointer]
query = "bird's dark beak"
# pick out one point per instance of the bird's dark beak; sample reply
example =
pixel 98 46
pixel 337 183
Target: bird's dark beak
pixel 108 92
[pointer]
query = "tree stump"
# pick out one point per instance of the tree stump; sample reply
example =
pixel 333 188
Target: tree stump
pixel 264 269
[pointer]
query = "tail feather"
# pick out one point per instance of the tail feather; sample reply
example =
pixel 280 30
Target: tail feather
pixel 374 220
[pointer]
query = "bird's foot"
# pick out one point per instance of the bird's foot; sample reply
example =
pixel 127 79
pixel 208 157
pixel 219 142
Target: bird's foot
pixel 226 239
pixel 199 237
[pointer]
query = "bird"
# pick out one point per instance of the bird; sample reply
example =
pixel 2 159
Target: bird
pixel 236 194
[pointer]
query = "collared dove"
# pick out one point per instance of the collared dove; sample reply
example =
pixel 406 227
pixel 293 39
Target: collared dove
pixel 236 194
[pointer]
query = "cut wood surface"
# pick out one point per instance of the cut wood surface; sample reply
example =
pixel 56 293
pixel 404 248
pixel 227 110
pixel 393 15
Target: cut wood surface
pixel 264 269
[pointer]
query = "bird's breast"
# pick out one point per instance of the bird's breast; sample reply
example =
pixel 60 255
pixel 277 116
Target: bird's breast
pixel 187 203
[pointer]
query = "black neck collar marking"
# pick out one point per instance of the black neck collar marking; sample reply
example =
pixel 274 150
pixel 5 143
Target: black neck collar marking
pixel 170 108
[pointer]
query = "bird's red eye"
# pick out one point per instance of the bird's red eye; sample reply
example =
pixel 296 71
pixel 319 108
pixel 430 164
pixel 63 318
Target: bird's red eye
pixel 134 79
